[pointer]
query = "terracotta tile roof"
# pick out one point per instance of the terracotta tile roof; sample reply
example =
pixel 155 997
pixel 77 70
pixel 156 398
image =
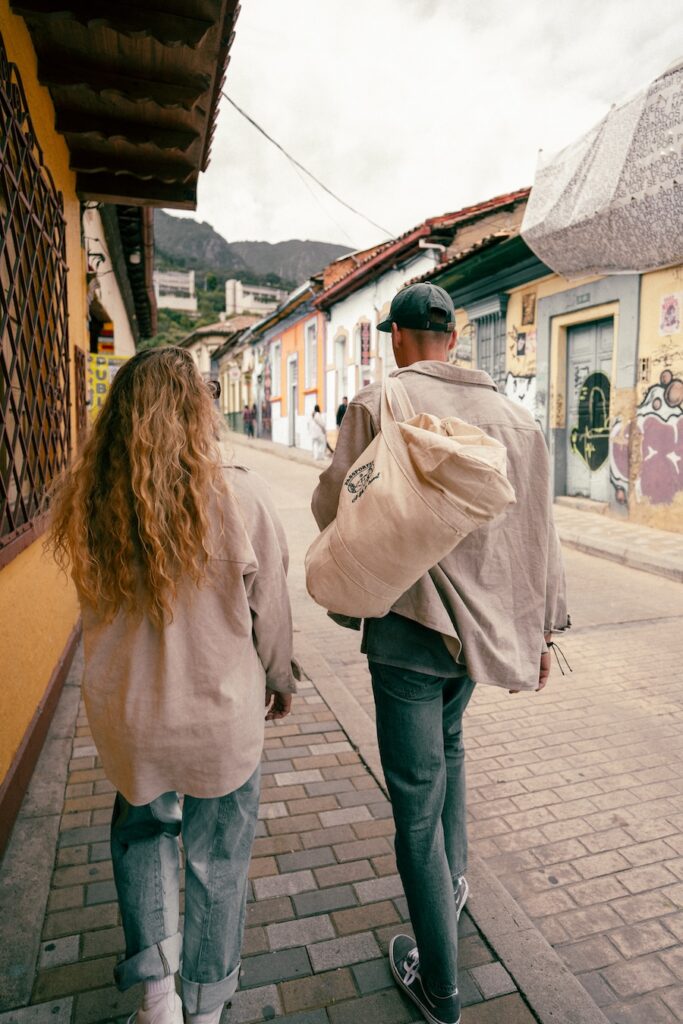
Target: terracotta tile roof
pixel 467 212
pixel 372 262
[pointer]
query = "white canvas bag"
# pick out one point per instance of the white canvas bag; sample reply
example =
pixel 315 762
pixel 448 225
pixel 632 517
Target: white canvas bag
pixel 417 490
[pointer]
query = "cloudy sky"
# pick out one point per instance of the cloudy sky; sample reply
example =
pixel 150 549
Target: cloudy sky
pixel 411 108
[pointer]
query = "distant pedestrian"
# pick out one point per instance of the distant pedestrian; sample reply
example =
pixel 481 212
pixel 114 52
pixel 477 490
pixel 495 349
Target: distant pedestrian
pixel 254 420
pixel 180 567
pixel 318 431
pixel 248 421
pixel 341 411
pixel 484 614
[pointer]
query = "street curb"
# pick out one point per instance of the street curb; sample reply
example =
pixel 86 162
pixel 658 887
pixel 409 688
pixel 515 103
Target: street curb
pixel 615 551
pixel 553 993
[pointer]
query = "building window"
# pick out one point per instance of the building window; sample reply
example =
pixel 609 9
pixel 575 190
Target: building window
pixel 34 351
pixel 312 354
pixel 277 369
pixel 491 346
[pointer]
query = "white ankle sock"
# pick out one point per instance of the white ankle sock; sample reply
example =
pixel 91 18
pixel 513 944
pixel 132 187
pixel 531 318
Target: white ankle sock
pixel 205 1018
pixel 154 991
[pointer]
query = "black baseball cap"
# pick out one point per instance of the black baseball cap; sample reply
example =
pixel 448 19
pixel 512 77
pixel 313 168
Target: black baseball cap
pixel 416 307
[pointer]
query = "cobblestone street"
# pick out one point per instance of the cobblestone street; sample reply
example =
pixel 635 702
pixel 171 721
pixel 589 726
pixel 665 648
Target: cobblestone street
pixel 575 795
pixel 576 802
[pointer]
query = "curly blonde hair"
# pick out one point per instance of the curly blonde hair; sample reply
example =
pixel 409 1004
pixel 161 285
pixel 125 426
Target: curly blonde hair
pixel 132 518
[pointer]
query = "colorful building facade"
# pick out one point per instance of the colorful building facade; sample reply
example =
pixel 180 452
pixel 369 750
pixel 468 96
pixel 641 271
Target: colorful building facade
pixel 598 361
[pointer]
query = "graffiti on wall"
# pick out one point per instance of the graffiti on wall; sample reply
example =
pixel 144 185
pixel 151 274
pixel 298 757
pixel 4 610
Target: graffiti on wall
pixel 619 437
pixel 660 421
pixel 522 390
pixel 590 437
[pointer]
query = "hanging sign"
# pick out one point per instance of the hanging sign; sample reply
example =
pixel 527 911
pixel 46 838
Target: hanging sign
pixel 101 371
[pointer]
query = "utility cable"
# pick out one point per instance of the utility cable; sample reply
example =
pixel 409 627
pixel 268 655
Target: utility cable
pixel 322 207
pixel 292 160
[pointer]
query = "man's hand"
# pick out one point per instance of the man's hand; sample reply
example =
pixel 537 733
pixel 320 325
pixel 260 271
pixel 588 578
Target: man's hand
pixel 544 669
pixel 279 704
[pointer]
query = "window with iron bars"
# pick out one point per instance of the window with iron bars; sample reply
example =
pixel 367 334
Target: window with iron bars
pixel 34 350
pixel 491 346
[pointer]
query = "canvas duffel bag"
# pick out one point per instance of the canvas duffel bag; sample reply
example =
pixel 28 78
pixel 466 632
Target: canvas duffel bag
pixel 419 488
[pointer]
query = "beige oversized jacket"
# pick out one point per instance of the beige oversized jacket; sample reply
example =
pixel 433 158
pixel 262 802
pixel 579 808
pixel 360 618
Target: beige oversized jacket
pixel 182 708
pixel 503 586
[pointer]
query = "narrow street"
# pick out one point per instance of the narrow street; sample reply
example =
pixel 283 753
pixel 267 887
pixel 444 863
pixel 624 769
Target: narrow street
pixel 576 810
pixel 576 794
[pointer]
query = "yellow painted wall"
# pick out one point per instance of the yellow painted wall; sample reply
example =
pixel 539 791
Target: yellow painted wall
pixel 656 493
pixel 38 608
pixel 660 345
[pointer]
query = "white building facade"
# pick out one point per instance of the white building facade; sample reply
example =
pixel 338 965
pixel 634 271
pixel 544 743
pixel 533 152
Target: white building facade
pixel 255 299
pixel 175 289
pixel 110 317
pixel 356 352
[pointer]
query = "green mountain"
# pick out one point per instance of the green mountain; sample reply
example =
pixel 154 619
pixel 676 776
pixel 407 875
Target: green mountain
pixel 181 243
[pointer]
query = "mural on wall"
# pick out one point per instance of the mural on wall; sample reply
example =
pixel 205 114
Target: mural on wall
pixel 590 437
pixel 522 390
pixel 619 438
pixel 660 421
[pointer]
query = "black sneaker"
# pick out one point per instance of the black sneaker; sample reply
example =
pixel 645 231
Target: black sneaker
pixel 405 967
pixel 461 891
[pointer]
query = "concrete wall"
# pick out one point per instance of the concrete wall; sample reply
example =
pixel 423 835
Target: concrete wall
pixel 38 608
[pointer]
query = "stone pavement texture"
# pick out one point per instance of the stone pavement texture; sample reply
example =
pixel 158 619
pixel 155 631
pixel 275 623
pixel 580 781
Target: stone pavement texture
pixel 576 794
pixel 325 898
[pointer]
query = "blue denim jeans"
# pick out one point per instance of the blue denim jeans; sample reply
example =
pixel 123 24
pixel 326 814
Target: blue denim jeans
pixel 419 728
pixel 218 835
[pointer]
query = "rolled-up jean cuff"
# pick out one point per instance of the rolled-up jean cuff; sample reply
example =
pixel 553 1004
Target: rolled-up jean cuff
pixel 203 997
pixel 151 963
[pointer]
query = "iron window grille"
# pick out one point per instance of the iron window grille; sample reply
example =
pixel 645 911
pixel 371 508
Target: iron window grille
pixel 34 349
pixel 81 388
pixel 491 353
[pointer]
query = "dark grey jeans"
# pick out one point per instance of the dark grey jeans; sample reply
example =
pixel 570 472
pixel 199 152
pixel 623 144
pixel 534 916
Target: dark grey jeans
pixel 419 728
pixel 218 835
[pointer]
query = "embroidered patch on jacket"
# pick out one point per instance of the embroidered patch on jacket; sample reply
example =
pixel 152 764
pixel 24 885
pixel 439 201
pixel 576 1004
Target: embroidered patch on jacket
pixel 359 481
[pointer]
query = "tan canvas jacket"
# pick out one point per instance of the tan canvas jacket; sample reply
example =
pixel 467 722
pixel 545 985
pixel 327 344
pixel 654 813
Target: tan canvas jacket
pixel 182 708
pixel 493 598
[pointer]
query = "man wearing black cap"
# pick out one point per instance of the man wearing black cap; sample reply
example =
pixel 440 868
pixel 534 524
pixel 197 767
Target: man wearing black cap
pixel 480 616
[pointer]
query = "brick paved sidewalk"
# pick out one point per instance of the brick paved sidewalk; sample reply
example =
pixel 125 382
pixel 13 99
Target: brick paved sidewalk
pixel 325 898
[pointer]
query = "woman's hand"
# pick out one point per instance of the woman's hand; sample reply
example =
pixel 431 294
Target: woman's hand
pixel 279 704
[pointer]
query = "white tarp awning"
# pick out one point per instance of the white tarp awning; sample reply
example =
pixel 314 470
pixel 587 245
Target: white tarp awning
pixel 612 202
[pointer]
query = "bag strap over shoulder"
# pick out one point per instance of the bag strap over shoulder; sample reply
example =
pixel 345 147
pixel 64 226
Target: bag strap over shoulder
pixel 395 388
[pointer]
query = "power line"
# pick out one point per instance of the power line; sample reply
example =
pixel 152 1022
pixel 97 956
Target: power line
pixel 316 199
pixel 296 163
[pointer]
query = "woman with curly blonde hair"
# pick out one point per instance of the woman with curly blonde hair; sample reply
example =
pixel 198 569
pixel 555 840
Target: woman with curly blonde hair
pixel 180 565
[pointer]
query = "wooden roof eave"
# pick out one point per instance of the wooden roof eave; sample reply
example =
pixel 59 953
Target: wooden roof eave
pixel 135 89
